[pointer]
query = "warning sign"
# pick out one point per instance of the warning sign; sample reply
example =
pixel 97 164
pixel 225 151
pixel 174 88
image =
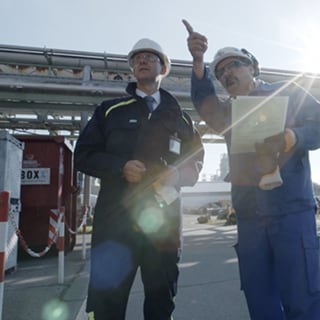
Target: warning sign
pixel 31 176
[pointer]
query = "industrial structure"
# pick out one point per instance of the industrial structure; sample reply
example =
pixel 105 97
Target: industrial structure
pixel 54 91
pixel 48 95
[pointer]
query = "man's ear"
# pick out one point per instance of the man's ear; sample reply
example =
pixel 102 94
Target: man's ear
pixel 252 71
pixel 163 69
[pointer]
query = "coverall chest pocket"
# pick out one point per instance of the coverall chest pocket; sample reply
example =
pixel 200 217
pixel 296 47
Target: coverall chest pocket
pixel 121 136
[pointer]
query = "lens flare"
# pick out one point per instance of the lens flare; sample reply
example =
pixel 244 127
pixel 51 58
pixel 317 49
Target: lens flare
pixel 151 220
pixel 55 310
pixel 311 48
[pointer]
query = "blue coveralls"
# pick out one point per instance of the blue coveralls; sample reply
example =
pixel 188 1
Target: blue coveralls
pixel 131 227
pixel 278 247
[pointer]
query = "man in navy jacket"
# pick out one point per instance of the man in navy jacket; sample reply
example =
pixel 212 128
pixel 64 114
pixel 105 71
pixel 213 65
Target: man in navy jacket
pixel 142 154
pixel 278 247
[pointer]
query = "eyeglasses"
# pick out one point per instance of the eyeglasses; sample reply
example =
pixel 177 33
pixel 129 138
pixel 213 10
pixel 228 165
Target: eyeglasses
pixel 232 64
pixel 148 57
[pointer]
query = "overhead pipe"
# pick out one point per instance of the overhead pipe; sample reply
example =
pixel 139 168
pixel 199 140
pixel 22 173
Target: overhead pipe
pixel 112 62
pixel 76 59
pixel 100 61
pixel 72 89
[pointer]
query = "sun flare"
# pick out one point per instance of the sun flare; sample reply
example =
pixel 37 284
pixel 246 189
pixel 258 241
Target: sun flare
pixel 310 51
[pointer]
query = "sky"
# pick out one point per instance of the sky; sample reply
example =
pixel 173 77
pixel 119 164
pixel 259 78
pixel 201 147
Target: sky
pixel 281 34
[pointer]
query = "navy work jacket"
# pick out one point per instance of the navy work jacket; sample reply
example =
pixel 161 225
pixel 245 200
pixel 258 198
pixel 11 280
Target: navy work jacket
pixel 123 129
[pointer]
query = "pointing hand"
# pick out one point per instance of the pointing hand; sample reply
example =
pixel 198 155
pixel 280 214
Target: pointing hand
pixel 197 43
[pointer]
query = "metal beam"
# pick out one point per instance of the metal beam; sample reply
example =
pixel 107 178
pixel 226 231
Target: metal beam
pixel 40 87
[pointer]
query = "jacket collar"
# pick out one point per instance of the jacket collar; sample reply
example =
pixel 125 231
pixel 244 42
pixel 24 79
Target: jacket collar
pixel 167 101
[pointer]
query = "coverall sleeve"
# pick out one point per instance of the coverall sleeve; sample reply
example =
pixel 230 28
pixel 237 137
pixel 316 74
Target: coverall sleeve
pixel 90 156
pixel 210 108
pixel 307 123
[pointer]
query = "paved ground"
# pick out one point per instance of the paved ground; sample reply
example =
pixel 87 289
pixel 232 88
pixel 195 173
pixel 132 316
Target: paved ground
pixel 208 286
pixel 209 282
pixel 32 292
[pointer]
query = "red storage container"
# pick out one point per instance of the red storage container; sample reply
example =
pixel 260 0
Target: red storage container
pixel 48 182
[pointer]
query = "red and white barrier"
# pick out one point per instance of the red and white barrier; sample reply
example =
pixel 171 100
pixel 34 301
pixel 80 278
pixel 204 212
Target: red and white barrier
pixel 54 217
pixel 4 213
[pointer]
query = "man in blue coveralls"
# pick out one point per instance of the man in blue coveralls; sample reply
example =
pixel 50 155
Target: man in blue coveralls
pixel 278 248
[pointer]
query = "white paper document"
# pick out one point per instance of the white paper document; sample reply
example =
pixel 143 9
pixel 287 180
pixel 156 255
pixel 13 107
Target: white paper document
pixel 167 193
pixel 254 119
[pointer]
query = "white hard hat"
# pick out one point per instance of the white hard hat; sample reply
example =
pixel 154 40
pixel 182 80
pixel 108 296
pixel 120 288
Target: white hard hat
pixel 152 46
pixel 232 52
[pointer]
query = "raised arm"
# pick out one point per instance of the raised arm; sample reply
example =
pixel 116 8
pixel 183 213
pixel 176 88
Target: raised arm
pixel 197 45
pixel 210 108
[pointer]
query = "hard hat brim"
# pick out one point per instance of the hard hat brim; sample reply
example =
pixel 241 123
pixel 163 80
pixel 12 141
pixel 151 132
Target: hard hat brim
pixel 238 55
pixel 164 60
pixel 150 46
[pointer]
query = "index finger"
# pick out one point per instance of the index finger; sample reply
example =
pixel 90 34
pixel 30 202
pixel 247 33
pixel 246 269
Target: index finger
pixel 188 26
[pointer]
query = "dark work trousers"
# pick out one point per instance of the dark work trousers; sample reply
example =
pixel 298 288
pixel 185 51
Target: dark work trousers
pixel 114 263
pixel 280 266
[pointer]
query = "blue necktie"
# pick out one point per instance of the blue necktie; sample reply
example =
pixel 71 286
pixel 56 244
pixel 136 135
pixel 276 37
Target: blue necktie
pixel 149 100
